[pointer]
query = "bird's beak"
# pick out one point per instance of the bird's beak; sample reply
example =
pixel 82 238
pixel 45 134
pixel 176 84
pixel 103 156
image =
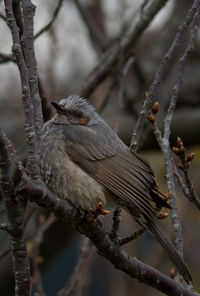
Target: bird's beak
pixel 59 108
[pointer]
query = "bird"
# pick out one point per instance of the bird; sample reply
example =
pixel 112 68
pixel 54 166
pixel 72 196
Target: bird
pixel 86 163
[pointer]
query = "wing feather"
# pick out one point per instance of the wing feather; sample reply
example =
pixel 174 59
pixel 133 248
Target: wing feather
pixel 120 170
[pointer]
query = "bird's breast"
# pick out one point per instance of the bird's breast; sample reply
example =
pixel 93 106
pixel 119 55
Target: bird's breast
pixel 66 179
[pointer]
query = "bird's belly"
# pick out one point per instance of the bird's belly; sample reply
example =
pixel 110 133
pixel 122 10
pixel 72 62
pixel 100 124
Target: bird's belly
pixel 68 181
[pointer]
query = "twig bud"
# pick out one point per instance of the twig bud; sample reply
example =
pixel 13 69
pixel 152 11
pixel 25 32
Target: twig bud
pixel 176 150
pixel 42 219
pixel 163 215
pixel 181 166
pixel 40 260
pixel 190 157
pixel 151 118
pixel 168 195
pixel 173 273
pixel 155 108
pixel 182 150
pixel 179 142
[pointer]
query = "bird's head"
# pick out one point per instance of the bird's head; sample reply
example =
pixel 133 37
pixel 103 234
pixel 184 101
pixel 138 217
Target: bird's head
pixel 74 110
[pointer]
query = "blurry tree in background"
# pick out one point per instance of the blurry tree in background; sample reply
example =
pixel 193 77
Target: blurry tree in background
pixel 139 65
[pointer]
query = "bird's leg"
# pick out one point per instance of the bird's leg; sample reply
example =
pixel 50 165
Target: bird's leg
pixel 98 211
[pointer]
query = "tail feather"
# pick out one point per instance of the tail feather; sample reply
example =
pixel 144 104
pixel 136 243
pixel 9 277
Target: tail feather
pixel 169 248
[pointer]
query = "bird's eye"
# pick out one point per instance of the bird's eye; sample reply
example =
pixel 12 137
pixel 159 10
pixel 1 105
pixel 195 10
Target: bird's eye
pixel 79 114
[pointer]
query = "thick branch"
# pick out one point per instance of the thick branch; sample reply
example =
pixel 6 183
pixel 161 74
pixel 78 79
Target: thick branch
pixel 30 60
pixel 106 248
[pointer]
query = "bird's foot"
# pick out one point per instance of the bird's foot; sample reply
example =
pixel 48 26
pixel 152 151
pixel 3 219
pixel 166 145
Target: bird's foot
pixel 98 211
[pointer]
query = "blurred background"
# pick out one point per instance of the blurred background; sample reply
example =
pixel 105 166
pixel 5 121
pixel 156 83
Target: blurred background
pixel 66 53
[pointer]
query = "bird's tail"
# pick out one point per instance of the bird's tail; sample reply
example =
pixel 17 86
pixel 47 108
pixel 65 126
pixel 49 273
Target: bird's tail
pixel 169 248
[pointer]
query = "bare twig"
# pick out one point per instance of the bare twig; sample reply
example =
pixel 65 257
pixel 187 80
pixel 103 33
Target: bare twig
pixel 99 40
pixel 15 213
pixel 160 74
pixel 29 215
pixel 4 58
pixel 116 224
pixel 36 253
pixel 107 97
pixel 26 94
pixel 75 285
pixel 47 108
pixel 184 166
pixel 140 23
pixel 46 27
pixel 180 180
pixel 165 147
pixel 14 154
pixel 31 64
pixel 167 129
pixel 132 237
pixel 164 141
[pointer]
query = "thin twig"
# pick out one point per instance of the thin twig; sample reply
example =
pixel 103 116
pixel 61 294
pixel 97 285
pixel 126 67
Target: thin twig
pixel 184 166
pixel 37 242
pixel 107 97
pixel 47 108
pixel 4 58
pixel 29 215
pixel 99 41
pixel 192 194
pixel 47 26
pixel 132 236
pixel 162 69
pixel 128 41
pixel 114 234
pixel 75 285
pixel 167 128
pixel 14 154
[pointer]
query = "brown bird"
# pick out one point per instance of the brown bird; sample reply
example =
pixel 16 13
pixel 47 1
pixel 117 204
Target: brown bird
pixel 84 161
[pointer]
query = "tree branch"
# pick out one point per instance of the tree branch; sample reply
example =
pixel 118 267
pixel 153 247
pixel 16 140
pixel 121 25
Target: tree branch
pixel 15 213
pixel 47 26
pixel 26 94
pixel 30 60
pixel 160 75
pixel 132 236
pixel 106 248
pixel 75 284
pixel 128 41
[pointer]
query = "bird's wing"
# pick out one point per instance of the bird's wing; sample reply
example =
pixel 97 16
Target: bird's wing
pixel 124 173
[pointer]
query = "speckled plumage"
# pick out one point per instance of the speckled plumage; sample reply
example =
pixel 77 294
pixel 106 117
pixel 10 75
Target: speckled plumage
pixel 63 177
